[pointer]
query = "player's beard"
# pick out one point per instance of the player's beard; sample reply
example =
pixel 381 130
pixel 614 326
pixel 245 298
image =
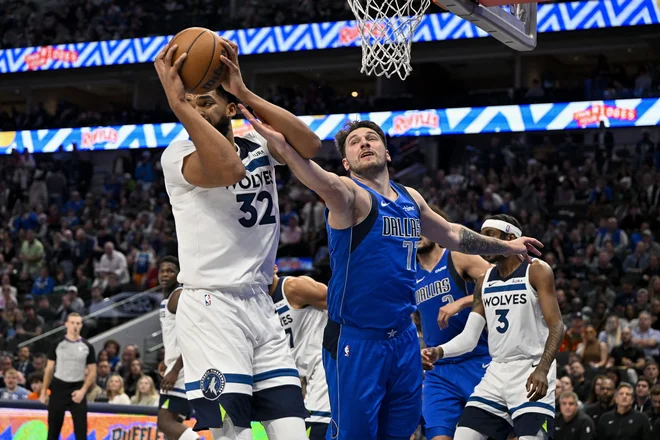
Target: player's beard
pixel 425 247
pixel 368 170
pixel 223 125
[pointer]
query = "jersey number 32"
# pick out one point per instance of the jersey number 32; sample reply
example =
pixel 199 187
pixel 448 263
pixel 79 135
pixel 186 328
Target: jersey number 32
pixel 248 203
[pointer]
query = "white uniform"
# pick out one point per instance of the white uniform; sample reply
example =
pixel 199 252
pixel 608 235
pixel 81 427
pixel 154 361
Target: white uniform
pixel 228 330
pixel 517 334
pixel 304 328
pixel 172 349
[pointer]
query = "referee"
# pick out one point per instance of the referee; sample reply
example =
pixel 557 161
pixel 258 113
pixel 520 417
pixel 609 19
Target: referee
pixel 65 376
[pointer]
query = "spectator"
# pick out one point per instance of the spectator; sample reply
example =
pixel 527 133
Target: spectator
pixel 44 284
pixel 581 386
pixel 573 336
pixel 145 260
pixel 146 393
pixel 45 310
pixel 653 269
pixel 39 362
pixel 605 401
pixel 36 382
pixel 651 372
pixel 128 356
pixel 637 262
pixel 592 352
pixel 646 337
pixel 626 356
pixel 103 372
pixel 32 253
pixel 11 390
pixel 572 423
pixel 113 262
pixel 567 385
pixel 133 376
pixel 95 392
pixel 612 333
pixel 612 232
pixel 642 395
pixel 77 304
pixel 112 348
pixel 624 423
pixel 114 391
pixel 23 364
pixel 7 295
pixel 654 414
pixel 595 389
pixel 32 326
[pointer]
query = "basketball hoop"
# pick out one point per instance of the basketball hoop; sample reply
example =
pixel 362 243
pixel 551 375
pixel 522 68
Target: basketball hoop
pixel 386 31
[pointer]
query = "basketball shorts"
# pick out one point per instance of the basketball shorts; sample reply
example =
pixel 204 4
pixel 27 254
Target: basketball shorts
pixel 317 400
pixel 175 405
pixel 237 361
pixel 447 389
pixel 499 403
pixel 374 381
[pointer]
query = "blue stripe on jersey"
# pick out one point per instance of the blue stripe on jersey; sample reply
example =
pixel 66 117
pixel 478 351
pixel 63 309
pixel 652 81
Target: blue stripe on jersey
pixel 280 372
pixel 497 406
pixel 320 413
pixel 374 264
pixel 178 390
pixel 435 289
pixel 262 161
pixel 507 288
pixel 162 306
pixel 245 379
pixel 282 309
pixel 533 404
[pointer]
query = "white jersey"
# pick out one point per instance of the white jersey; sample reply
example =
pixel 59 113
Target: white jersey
pixel 171 344
pixel 516 327
pixel 304 328
pixel 227 236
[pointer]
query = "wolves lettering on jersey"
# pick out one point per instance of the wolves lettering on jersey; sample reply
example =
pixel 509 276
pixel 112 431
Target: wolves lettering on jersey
pixel 213 225
pixel 304 328
pixel 374 264
pixel 516 327
pixel 435 289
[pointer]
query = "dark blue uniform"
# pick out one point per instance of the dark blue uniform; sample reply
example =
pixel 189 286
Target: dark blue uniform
pixel 449 385
pixel 371 351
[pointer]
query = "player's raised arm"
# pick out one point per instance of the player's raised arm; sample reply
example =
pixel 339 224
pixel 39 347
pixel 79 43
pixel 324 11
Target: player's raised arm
pixel 543 280
pixel 304 291
pixel 296 132
pixel 456 237
pixel 213 162
pixel 467 340
pixel 338 193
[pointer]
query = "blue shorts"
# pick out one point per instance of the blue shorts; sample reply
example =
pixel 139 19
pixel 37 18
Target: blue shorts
pixel 446 391
pixel 374 382
pixel 175 405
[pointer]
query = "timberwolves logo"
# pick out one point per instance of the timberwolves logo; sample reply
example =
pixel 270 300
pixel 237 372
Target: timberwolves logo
pixel 212 384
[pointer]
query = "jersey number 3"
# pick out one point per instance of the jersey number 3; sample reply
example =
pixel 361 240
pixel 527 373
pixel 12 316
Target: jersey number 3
pixel 248 208
pixel 501 318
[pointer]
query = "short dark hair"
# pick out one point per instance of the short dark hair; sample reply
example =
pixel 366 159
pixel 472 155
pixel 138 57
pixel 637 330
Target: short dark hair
pixel 221 92
pixel 655 391
pixel 35 377
pixel 440 212
pixel 643 379
pixel 112 342
pixel 169 259
pixel 349 127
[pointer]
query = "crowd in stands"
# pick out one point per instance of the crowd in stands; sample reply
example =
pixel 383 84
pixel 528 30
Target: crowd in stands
pixel 66 245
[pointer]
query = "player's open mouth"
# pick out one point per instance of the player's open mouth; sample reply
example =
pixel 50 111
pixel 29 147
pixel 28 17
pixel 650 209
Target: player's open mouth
pixel 366 154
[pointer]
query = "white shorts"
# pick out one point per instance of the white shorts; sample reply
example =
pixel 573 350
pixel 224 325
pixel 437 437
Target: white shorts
pixel 502 391
pixel 233 345
pixel 317 400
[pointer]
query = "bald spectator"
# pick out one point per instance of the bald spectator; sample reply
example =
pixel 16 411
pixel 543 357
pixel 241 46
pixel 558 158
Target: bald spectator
pixel 112 262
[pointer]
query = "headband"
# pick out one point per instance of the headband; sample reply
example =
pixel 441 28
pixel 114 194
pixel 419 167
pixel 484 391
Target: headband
pixel 503 226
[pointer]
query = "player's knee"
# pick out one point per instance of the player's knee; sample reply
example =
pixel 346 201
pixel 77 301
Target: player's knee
pixel 288 428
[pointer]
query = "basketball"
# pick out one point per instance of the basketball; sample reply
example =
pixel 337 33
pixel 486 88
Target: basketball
pixel 202 70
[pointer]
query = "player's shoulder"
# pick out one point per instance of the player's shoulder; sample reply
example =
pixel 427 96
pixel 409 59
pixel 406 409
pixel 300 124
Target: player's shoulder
pixel 539 267
pixel 176 149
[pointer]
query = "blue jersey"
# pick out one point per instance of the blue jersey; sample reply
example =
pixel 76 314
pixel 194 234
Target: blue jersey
pixel 435 289
pixel 374 264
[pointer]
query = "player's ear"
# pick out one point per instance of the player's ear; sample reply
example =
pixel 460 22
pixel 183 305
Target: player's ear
pixel 345 163
pixel 231 110
pixel 387 155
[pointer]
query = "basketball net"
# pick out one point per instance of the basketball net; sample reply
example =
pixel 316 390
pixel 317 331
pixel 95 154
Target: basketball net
pixel 386 31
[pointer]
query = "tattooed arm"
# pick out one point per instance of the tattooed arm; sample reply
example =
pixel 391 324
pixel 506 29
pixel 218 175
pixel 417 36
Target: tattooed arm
pixel 543 280
pixel 455 237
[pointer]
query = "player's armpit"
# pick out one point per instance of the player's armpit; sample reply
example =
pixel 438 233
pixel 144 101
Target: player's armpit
pixel 542 279
pixel 304 291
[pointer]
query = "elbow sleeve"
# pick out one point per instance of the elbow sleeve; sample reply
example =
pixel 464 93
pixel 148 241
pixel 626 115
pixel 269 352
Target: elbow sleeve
pixel 468 339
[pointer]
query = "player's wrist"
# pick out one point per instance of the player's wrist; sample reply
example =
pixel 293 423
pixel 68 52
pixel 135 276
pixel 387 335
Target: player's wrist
pixel 244 94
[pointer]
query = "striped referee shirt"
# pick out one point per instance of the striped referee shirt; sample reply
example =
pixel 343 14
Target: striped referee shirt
pixel 71 358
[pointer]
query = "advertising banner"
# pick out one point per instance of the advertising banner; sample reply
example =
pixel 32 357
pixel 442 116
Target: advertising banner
pixel 29 424
pixel 433 122
pixel 551 17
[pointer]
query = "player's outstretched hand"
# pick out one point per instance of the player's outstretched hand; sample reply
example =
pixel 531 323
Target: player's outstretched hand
pixel 430 356
pixel 275 139
pixel 168 74
pixel 524 246
pixel 537 385
pixel 232 81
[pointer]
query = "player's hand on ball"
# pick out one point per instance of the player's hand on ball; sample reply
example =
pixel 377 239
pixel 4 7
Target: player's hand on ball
pixel 537 385
pixel 232 80
pixel 447 312
pixel 524 246
pixel 168 74
pixel 275 139
pixel 430 356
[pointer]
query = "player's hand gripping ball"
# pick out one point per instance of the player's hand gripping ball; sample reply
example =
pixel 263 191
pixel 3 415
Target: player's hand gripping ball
pixel 203 69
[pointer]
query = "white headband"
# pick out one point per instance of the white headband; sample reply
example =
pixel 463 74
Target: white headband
pixel 503 226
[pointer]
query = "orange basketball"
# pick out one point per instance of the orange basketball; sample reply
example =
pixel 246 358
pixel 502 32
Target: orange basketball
pixel 202 70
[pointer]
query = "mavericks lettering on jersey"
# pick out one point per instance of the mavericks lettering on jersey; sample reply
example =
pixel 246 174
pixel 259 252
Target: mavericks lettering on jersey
pixel 401 227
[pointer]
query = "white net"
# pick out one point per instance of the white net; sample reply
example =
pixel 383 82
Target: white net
pixel 386 29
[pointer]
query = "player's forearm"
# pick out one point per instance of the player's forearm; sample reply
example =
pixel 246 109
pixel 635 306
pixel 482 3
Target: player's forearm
pixel 217 156
pixel 89 381
pixel 296 132
pixel 465 302
pixel 48 377
pixel 468 339
pixel 178 365
pixel 552 344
